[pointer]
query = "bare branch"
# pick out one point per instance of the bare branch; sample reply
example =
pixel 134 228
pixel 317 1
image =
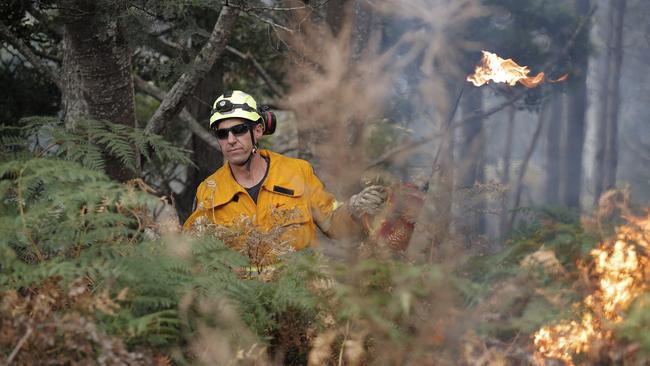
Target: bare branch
pixel 36 61
pixel 165 47
pixel 161 31
pixel 260 70
pixel 19 345
pixel 46 55
pixel 290 8
pixel 45 20
pixel 270 22
pixel 184 116
pixel 175 99
pixel 524 167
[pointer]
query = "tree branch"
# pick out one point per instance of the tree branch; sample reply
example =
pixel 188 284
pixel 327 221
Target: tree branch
pixel 161 31
pixel 175 99
pixel 44 54
pixel 44 20
pixel 37 62
pixel 260 70
pixel 165 47
pixel 184 115
pixel 290 8
pixel 19 345
pixel 524 166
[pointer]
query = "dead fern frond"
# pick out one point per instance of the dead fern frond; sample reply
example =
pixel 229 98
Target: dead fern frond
pixel 262 248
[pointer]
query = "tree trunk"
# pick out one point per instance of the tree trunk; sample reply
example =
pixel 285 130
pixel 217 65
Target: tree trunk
pixel 471 164
pixel 505 174
pixel 206 157
pixel 601 121
pixel 430 237
pixel 96 71
pixel 524 166
pixel 573 142
pixel 553 135
pixel 611 142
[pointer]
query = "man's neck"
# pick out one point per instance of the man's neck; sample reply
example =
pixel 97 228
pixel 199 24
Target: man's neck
pixel 249 178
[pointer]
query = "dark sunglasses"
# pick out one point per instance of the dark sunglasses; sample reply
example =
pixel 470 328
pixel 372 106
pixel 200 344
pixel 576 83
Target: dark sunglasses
pixel 237 130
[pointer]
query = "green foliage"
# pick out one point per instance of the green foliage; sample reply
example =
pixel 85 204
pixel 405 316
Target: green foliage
pixel 518 298
pixel 56 200
pixel 386 294
pixel 145 106
pixel 548 228
pixel 62 218
pixel 384 136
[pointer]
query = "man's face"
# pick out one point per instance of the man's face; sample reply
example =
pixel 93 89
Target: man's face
pixel 236 148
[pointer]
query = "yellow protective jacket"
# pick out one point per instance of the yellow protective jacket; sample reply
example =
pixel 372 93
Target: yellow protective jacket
pixel 290 185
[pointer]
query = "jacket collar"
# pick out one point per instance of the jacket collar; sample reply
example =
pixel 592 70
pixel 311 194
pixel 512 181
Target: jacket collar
pixel 284 175
pixel 283 178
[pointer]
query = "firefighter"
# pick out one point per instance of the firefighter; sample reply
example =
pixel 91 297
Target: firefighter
pixel 257 183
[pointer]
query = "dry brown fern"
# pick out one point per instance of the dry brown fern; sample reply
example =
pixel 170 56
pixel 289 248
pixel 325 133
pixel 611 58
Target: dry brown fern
pixel 262 248
pixel 48 325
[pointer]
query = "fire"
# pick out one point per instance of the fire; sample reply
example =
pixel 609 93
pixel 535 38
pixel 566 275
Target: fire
pixel 500 70
pixel 622 271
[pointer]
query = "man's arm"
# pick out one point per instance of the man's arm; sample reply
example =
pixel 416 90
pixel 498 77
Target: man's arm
pixel 332 217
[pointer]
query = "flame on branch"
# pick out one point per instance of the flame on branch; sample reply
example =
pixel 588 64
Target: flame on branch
pixel 499 70
pixel 622 270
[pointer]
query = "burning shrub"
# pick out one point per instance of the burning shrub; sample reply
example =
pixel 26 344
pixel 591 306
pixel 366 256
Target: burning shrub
pixel 620 274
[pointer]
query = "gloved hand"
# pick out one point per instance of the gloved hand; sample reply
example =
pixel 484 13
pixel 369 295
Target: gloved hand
pixel 368 201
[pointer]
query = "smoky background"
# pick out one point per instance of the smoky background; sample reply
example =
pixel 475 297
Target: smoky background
pixel 358 70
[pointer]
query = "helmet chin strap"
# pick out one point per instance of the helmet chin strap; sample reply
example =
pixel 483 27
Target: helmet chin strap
pixel 255 148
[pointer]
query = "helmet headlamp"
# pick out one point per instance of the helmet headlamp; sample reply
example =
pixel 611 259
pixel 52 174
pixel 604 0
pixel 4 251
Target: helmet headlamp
pixel 225 106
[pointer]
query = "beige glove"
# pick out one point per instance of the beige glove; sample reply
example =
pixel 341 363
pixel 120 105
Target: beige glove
pixel 368 201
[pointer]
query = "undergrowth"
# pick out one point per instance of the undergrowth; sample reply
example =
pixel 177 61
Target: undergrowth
pixel 83 280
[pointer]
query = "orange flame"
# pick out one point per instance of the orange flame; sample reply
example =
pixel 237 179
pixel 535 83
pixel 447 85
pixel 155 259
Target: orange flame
pixel 622 271
pixel 496 69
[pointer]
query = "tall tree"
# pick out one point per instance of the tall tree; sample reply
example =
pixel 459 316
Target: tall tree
pixel 96 69
pixel 614 98
pixel 602 115
pixel 95 77
pixel 606 158
pixel 552 150
pixel 574 137
pixel 471 160
pixel 505 174
pixel 205 156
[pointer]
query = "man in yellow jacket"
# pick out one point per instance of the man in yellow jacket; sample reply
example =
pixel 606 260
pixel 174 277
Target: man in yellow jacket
pixel 258 184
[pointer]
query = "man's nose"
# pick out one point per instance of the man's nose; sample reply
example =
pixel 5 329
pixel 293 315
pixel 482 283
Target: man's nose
pixel 231 137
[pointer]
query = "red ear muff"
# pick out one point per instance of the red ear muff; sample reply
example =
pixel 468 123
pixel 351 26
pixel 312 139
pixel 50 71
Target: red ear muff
pixel 269 120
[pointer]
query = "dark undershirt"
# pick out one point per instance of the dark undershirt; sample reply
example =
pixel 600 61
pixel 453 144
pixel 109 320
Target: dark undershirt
pixel 254 191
